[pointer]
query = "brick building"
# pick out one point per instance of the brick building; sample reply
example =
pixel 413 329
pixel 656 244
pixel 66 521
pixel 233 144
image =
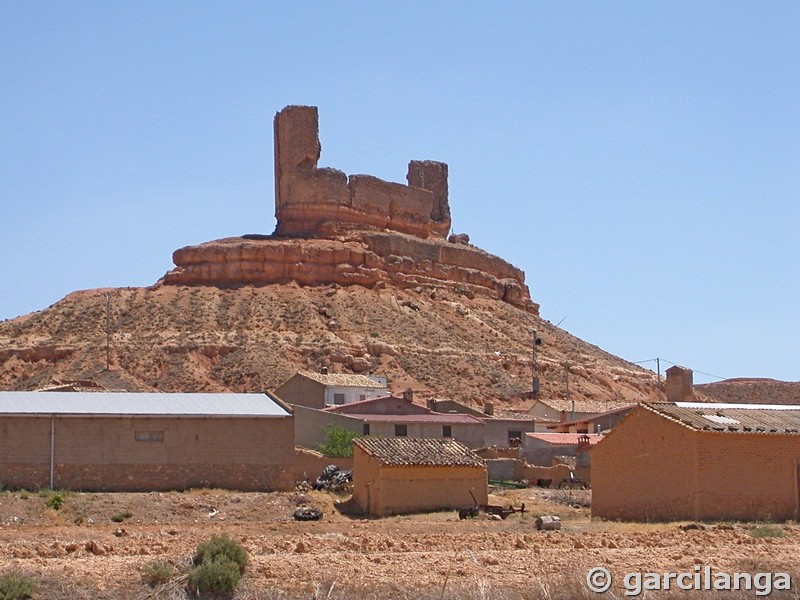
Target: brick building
pixel 404 475
pixel 145 441
pixel 676 461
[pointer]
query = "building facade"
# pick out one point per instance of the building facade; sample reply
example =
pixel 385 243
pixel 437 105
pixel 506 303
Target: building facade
pixel 145 442
pixel 678 461
pixel 318 390
pixel 398 476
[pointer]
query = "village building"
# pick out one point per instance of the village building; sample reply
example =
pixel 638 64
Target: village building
pixel 560 409
pixel 318 390
pixel 405 475
pixel 547 449
pixel 552 449
pixel 388 416
pixel 105 441
pixel 597 423
pixel 502 428
pixel 699 461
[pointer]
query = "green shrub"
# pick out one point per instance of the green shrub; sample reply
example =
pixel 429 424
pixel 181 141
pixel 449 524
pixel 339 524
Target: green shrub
pixel 16 586
pixel 221 546
pixel 54 501
pixel 338 442
pixel 217 576
pixel 120 517
pixel 157 572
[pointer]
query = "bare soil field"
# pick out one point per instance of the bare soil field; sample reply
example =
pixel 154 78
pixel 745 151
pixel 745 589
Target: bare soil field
pixel 79 552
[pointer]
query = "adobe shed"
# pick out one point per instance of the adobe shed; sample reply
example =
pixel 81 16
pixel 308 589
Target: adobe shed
pixel 699 461
pixel 406 475
pixel 106 441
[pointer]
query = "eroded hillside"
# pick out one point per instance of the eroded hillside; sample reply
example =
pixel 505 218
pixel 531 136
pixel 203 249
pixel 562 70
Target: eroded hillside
pixel 437 341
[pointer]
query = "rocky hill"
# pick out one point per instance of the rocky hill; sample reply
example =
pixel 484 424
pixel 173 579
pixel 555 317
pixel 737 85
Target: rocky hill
pixel 752 391
pixel 359 276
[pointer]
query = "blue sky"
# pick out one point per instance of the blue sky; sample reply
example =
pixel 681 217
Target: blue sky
pixel 639 160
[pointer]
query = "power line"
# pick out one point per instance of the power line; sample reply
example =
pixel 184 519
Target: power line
pixel 655 360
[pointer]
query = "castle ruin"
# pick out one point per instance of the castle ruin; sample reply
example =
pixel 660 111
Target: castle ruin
pixel 356 230
pixel 307 196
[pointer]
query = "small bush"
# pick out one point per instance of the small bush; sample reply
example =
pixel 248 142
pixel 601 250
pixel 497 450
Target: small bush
pixel 55 501
pixel 221 546
pixel 217 576
pixel 16 586
pixel 120 517
pixel 338 442
pixel 157 572
pixel 767 530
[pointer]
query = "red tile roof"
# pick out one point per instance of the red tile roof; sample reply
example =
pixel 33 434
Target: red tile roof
pixel 431 418
pixel 566 439
pixel 342 379
pixel 346 405
pixel 402 452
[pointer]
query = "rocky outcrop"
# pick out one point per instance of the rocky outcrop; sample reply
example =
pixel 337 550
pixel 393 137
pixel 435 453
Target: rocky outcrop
pixel 356 230
pixel 369 259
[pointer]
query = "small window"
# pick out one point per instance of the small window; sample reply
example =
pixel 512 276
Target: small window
pixel 447 431
pixel 338 398
pixel 362 397
pixel 366 428
pixel 148 436
pixel 401 430
pixel 514 438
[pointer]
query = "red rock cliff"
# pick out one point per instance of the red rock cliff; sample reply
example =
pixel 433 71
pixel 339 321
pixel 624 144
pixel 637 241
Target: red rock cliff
pixel 357 230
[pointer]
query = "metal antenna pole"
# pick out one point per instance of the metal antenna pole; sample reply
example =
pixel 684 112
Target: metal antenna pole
pixel 535 365
pixel 108 331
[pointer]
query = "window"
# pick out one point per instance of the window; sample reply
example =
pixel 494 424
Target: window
pixel 362 397
pixel 366 428
pixel 338 398
pixel 148 436
pixel 401 430
pixel 514 438
pixel 447 431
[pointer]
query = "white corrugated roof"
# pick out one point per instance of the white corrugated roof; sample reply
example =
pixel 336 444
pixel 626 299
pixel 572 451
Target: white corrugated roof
pixel 150 404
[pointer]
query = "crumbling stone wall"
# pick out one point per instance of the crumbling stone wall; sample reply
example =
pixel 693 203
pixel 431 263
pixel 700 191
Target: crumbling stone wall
pixel 307 196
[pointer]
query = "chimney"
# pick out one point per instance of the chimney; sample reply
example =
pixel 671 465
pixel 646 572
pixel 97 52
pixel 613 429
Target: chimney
pixel 431 404
pixel 679 385
pixel 488 408
pixel 408 395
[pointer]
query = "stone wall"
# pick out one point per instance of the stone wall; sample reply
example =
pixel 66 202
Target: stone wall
pixel 307 196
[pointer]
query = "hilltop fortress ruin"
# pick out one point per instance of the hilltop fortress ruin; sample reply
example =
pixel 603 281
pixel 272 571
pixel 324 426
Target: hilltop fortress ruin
pixel 351 230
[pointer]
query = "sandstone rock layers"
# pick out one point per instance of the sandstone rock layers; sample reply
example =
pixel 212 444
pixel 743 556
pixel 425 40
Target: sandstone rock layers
pixel 351 230
pixel 367 259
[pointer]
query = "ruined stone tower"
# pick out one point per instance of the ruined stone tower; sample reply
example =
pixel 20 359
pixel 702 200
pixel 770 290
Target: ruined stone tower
pixel 306 196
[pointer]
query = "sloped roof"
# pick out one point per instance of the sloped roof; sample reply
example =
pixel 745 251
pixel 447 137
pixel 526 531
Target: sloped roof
pixel 584 406
pixel 429 418
pixel 731 418
pixel 566 439
pixel 140 404
pixel 342 380
pixel 348 405
pixel 404 452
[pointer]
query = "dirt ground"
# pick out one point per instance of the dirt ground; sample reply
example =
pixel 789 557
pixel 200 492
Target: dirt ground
pixel 78 551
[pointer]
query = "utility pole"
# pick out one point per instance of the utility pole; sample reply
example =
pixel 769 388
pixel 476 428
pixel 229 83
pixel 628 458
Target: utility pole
pixel 108 331
pixel 658 368
pixel 535 365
